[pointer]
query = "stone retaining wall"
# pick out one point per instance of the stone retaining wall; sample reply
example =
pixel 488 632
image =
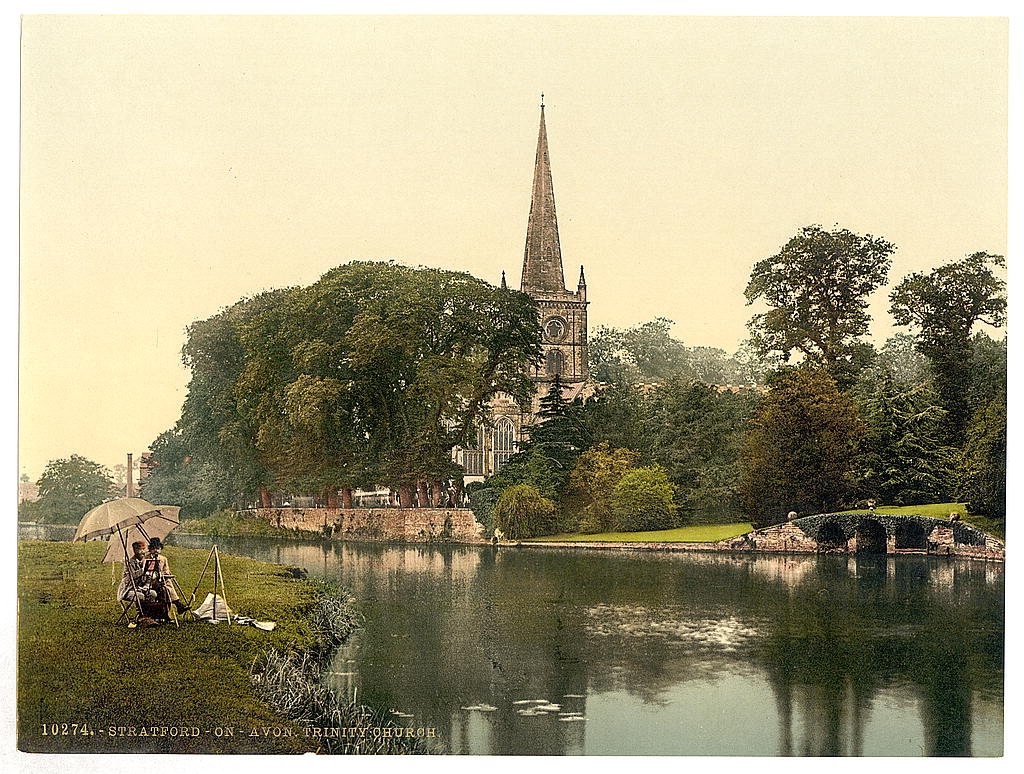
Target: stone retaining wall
pixel 413 525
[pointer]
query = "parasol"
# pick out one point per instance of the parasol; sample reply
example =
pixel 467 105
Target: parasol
pixel 129 519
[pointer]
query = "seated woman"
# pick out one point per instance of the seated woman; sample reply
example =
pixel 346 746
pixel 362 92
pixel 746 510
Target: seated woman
pixel 158 572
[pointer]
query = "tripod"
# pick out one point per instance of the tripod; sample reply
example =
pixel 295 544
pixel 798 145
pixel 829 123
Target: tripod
pixel 218 580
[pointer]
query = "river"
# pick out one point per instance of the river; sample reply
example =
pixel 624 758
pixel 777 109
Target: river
pixel 666 654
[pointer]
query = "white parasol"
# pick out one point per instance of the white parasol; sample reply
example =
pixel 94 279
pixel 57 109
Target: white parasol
pixel 128 519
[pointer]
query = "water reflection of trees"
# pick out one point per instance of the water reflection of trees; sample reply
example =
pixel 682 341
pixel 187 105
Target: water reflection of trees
pixel 833 635
pixel 829 632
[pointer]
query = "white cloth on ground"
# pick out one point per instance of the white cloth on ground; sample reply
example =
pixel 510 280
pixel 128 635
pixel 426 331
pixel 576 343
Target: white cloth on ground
pixel 205 610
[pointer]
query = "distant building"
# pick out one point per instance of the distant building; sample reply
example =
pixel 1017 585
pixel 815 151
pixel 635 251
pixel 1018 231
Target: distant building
pixel 737 388
pixel 147 464
pixel 28 491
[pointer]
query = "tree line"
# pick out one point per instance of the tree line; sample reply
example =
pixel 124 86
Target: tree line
pixel 373 374
pixel 831 421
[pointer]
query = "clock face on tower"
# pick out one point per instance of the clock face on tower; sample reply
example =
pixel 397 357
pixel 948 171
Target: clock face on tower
pixel 555 329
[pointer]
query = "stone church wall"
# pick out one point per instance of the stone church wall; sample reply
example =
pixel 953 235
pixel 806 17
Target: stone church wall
pixel 412 525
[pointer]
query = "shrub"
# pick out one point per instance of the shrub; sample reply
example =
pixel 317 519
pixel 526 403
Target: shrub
pixel 522 512
pixel 482 499
pixel 643 500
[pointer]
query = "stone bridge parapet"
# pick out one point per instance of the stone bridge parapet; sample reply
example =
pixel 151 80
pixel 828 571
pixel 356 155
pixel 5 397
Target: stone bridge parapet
pixel 411 525
pixel 869 532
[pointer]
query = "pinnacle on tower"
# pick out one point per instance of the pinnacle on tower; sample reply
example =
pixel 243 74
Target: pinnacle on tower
pixel 542 259
pixel 504 284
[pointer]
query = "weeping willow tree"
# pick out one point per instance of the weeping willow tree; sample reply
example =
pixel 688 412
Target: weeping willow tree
pixel 523 512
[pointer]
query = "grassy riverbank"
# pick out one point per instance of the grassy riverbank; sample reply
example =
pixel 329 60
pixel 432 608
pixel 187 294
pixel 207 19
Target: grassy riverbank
pixel 703 533
pixel 76 666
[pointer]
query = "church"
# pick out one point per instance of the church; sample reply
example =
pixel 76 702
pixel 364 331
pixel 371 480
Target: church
pixel 563 318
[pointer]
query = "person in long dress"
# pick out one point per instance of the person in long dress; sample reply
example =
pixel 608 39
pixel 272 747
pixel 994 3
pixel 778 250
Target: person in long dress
pixel 158 571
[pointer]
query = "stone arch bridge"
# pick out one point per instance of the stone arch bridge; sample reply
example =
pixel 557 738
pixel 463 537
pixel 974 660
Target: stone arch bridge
pixel 872 533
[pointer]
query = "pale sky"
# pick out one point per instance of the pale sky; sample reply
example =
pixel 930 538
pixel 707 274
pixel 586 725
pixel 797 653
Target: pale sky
pixel 171 165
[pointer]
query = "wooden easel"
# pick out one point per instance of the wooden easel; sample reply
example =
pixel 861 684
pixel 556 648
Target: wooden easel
pixel 218 579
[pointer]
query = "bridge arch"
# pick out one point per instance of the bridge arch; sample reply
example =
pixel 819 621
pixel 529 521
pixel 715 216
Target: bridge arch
pixel 911 534
pixel 831 537
pixel 871 537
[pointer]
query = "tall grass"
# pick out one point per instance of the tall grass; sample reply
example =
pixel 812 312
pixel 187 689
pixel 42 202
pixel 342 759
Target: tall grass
pixel 290 683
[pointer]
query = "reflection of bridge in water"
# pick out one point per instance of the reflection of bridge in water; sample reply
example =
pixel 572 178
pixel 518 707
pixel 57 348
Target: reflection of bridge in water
pixel 872 533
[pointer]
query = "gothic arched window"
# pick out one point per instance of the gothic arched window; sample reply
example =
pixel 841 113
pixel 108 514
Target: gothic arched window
pixel 555 362
pixel 503 442
pixel 473 456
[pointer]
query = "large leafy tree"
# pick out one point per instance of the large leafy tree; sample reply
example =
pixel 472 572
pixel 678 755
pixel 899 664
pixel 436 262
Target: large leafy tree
pixel 816 289
pixel 70 488
pixel 799 453
pixel 592 483
pixel 378 370
pixel 371 375
pixel 944 306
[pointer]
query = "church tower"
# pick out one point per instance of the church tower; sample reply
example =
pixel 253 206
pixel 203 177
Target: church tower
pixel 563 313
pixel 563 317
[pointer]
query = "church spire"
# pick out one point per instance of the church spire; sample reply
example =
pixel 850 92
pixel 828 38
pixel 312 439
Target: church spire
pixel 542 259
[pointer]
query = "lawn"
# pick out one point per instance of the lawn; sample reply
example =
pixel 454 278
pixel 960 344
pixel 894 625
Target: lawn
pixel 941 511
pixel 76 666
pixel 935 510
pixel 704 533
